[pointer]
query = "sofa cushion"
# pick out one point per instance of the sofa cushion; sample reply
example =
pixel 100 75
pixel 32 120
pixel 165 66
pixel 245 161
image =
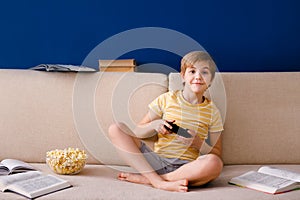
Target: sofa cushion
pixel 262 116
pixel 100 182
pixel 262 120
pixel 41 111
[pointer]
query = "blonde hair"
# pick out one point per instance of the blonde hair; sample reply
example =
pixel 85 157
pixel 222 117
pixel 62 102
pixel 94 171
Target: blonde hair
pixel 197 56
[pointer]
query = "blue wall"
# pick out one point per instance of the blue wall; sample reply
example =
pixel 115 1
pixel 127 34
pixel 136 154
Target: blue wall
pixel 257 35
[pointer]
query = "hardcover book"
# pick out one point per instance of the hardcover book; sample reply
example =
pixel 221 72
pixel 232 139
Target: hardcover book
pixel 32 184
pixel 269 180
pixel 10 166
pixel 122 65
pixel 62 68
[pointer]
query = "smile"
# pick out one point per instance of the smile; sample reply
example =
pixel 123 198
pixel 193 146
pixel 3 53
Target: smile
pixel 199 83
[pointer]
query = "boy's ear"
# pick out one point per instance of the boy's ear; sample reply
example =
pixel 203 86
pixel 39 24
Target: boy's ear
pixel 182 77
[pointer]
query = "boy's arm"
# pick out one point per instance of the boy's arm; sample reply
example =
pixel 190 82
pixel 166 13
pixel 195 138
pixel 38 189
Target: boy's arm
pixel 148 126
pixel 215 146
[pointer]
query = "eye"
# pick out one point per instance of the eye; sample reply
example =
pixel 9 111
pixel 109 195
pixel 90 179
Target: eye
pixel 192 71
pixel 205 72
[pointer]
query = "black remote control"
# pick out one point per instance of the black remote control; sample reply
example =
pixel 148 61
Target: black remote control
pixel 183 132
pixel 178 130
pixel 174 128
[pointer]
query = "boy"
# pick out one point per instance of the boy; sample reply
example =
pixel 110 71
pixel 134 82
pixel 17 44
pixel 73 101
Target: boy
pixel 175 164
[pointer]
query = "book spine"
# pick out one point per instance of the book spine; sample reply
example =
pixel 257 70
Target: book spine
pixel 117 63
pixel 117 69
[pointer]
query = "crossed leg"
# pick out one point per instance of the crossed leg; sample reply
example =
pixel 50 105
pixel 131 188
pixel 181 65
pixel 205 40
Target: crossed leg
pixel 129 148
pixel 199 172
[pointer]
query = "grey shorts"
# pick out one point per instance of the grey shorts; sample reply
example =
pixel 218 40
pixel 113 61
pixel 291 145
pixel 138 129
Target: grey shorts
pixel 160 164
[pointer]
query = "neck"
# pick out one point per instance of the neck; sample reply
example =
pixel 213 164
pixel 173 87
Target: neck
pixel 193 98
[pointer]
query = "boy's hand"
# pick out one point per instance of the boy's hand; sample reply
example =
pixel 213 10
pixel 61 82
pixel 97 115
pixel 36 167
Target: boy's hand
pixel 165 127
pixel 195 141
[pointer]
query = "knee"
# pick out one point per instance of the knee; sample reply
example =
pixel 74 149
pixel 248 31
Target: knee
pixel 114 130
pixel 211 167
pixel 215 163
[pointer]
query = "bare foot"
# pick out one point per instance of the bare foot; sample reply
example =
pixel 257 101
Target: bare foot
pixel 134 178
pixel 178 186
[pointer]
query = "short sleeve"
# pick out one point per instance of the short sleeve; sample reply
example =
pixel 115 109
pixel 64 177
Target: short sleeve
pixel 216 121
pixel 158 105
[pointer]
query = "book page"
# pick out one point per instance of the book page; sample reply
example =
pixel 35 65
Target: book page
pixel 3 170
pixel 16 165
pixel 62 68
pixel 7 180
pixel 77 68
pixel 38 186
pixel 267 180
pixel 282 173
pixel 37 183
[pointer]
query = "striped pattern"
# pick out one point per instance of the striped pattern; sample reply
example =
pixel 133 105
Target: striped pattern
pixel 202 118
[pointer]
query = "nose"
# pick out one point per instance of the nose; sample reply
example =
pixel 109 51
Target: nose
pixel 198 76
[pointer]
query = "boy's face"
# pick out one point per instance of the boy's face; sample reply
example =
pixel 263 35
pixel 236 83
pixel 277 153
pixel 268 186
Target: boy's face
pixel 197 77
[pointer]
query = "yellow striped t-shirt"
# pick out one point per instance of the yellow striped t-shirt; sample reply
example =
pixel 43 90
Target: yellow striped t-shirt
pixel 202 118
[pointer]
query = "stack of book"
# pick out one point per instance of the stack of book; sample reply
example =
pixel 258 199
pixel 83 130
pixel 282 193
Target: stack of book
pixel 121 65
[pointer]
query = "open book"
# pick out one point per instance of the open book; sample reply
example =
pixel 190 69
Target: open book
pixel 62 68
pixel 9 166
pixel 32 184
pixel 269 179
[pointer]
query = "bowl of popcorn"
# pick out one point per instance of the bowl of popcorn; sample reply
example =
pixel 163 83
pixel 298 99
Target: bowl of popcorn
pixel 67 161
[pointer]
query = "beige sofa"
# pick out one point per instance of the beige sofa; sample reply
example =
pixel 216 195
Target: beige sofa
pixel 41 111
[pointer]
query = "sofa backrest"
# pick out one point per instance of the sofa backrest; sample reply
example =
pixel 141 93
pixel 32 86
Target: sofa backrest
pixel 262 116
pixel 41 111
